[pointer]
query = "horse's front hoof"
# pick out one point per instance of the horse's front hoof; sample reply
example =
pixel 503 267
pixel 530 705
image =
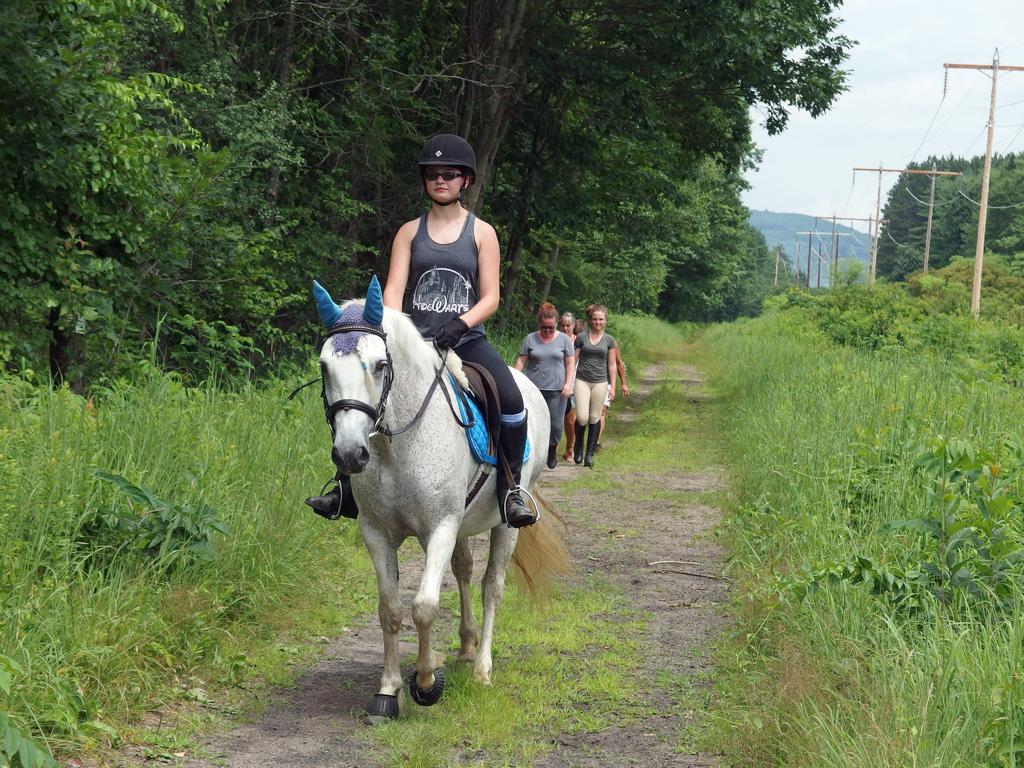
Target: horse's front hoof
pixel 382 709
pixel 432 695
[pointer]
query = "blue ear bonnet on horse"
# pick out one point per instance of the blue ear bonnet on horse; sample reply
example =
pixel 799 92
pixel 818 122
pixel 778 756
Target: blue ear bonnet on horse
pixel 370 313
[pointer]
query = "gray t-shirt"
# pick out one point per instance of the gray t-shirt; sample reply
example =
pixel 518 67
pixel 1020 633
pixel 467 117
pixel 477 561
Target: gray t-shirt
pixel 593 365
pixel 545 363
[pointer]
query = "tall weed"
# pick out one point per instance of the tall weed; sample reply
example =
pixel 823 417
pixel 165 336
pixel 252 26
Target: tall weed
pixel 111 590
pixel 876 538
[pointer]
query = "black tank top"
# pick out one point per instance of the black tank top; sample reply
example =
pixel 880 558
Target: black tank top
pixel 443 281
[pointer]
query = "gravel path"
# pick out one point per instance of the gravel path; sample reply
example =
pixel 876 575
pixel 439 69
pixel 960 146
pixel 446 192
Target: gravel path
pixel 669 564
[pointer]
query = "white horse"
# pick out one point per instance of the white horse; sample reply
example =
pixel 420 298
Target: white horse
pixel 378 374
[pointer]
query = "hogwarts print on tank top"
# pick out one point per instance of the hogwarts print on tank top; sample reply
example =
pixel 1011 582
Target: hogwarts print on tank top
pixel 443 281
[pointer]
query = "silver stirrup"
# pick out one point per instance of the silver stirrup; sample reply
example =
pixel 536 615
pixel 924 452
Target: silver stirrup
pixel 525 493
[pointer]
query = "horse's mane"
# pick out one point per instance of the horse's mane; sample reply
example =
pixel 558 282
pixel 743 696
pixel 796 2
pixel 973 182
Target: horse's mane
pixel 404 341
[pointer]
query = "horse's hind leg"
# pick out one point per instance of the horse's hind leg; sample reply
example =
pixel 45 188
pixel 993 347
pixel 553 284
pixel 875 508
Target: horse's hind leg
pixel 503 541
pixel 462 567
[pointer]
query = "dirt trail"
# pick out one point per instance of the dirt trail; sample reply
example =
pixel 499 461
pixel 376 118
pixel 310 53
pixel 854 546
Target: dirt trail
pixel 316 724
pixel 669 565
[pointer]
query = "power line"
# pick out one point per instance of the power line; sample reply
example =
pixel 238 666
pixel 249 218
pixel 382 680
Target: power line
pixel 1010 45
pixel 1000 106
pixel 898 245
pixel 997 207
pixel 928 130
pixel 959 104
pixel 853 183
pixel 906 188
pixel 1010 144
pixel 968 150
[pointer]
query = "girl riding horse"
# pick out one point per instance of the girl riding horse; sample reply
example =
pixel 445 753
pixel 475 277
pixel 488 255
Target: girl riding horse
pixel 444 275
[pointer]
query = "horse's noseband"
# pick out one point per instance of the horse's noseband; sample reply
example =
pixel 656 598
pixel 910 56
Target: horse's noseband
pixel 348 404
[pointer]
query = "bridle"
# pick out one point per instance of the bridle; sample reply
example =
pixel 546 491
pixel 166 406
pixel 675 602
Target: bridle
pixel 349 404
pixel 377 414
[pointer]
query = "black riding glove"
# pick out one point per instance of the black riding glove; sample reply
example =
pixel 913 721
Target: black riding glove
pixel 450 334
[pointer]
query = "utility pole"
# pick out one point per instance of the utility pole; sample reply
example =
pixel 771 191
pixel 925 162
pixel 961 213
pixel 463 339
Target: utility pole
pixel 834 243
pixel 778 253
pixel 809 261
pixel 878 228
pixel 820 252
pixel 815 253
pixel 931 202
pixel 873 249
pixel 979 248
pixel 837 235
pixel 928 231
pixel 931 206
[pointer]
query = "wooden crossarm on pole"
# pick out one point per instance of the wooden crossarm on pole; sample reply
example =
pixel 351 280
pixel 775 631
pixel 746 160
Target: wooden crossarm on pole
pixel 844 218
pixel 910 171
pixel 1000 67
pixel 873 255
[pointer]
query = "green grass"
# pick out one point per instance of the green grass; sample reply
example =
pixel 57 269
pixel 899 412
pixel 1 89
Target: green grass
pixel 573 668
pixel 569 669
pixel 823 445
pixel 103 630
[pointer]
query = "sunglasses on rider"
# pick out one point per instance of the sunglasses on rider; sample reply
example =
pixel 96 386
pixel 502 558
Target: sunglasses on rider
pixel 446 175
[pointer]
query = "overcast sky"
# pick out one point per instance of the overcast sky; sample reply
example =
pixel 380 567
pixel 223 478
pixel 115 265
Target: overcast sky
pixel 895 89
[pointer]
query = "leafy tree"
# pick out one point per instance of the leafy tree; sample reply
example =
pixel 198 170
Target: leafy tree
pixel 83 146
pixel 177 173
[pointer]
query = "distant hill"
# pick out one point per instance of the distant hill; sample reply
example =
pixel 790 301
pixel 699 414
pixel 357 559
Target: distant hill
pixel 782 228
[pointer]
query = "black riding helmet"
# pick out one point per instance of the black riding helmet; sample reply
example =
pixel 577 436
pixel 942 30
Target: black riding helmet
pixel 448 149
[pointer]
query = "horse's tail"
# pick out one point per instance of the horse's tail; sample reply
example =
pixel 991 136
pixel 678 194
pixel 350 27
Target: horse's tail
pixel 540 553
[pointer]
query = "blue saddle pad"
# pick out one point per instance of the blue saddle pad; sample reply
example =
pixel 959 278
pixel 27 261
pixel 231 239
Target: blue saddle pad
pixel 476 435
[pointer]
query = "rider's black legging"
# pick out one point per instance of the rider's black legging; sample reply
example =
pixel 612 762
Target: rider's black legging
pixel 478 350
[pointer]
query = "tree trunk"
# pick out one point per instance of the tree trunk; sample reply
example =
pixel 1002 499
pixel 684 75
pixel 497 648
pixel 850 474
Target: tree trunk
pixel 549 278
pixel 65 353
pixel 284 74
pixel 498 42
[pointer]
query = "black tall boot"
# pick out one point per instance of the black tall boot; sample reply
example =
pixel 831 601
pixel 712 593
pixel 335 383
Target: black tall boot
pixel 552 456
pixel 511 442
pixel 592 434
pixel 338 503
pixel 577 449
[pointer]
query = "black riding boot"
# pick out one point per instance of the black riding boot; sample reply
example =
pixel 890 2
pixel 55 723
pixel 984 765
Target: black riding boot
pixel 552 456
pixel 592 434
pixel 511 442
pixel 338 503
pixel 577 449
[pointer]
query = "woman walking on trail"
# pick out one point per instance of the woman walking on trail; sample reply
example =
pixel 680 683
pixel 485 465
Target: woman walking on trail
pixel 595 379
pixel 444 275
pixel 567 325
pixel 549 361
